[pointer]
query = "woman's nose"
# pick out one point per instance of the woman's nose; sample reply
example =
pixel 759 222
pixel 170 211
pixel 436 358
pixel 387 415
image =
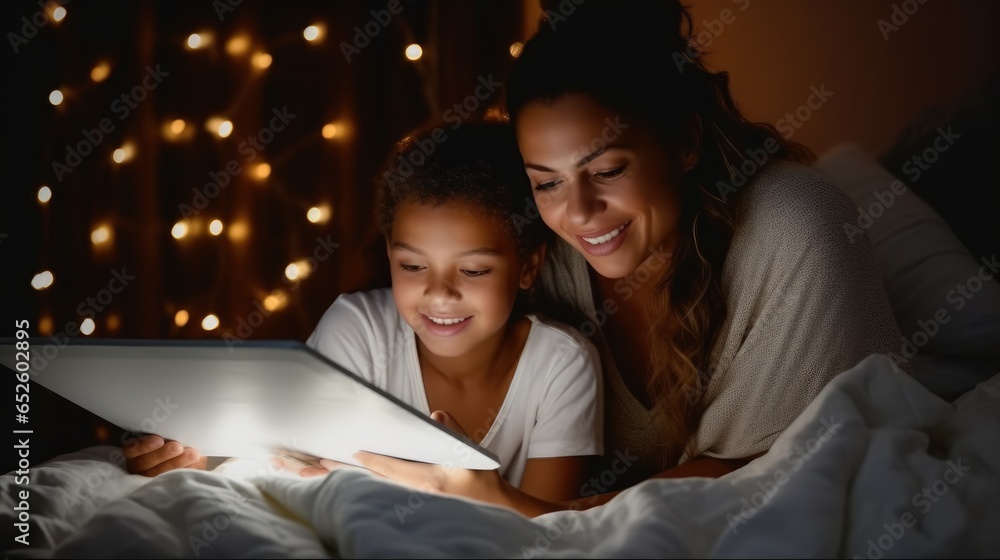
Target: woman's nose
pixel 583 203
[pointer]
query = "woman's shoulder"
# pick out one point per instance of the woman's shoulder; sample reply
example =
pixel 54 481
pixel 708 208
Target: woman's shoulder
pixel 793 200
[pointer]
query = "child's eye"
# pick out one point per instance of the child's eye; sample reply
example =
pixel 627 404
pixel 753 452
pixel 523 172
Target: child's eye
pixel 612 173
pixel 411 267
pixel 475 273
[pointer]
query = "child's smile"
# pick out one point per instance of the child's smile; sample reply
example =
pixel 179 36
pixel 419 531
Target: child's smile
pixel 455 276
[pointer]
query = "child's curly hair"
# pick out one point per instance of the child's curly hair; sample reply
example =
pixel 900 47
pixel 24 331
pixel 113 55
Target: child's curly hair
pixel 477 164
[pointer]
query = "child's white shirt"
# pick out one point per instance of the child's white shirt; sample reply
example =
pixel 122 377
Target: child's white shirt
pixel 554 405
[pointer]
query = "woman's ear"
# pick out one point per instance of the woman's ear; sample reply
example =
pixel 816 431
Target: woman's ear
pixel 691 143
pixel 531 266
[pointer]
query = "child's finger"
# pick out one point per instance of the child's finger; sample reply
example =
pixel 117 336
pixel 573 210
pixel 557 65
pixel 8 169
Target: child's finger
pixel 146 461
pixel 142 445
pixel 189 458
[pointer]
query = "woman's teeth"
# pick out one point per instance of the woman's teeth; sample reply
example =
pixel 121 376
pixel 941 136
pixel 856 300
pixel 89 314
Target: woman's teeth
pixel 446 321
pixel 606 237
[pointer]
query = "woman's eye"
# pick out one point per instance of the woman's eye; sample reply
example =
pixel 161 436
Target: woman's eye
pixel 612 173
pixel 475 273
pixel 411 267
pixel 546 185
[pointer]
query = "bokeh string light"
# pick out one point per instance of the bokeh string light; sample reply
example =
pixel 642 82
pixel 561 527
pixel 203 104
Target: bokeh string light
pixel 239 48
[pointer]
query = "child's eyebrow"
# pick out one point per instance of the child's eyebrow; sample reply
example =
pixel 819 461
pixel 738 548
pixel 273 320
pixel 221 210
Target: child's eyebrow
pixel 489 251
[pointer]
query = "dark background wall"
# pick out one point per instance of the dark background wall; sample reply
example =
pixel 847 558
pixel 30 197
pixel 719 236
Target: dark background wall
pixel 776 51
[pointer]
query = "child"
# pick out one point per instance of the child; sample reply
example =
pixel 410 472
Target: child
pixel 452 333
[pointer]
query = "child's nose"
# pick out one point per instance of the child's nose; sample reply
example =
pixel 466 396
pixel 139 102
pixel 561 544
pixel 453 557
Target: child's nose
pixel 441 286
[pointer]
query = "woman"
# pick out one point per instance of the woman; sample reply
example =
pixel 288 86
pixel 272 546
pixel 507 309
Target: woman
pixel 703 255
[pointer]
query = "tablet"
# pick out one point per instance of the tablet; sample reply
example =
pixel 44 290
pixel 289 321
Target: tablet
pixel 264 396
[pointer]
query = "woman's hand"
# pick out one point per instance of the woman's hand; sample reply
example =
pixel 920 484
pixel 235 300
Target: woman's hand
pixel 152 455
pixel 481 485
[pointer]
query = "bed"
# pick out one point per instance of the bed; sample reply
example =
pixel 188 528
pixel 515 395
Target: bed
pixel 881 464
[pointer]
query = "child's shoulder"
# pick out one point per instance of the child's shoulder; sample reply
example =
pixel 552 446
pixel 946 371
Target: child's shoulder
pixel 370 300
pixel 558 334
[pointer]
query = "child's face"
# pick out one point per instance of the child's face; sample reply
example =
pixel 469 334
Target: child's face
pixel 454 276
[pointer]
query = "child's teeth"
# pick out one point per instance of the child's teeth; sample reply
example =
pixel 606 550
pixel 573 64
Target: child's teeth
pixel 606 237
pixel 446 321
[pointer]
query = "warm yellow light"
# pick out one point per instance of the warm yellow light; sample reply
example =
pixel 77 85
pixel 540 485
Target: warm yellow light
pixel 414 52
pixel 42 280
pixel 194 41
pixel 87 326
pixel 215 228
pixel 261 60
pixel 55 97
pixel 101 234
pixel 515 49
pixel 318 214
pixel 181 318
pixel 238 231
pixel 123 154
pixel 178 126
pixel 238 45
pixel 114 321
pixel 330 131
pixel 210 322
pixel 45 325
pixel 262 170
pixel 58 14
pixel 275 300
pixel 44 194
pixel 313 32
pixel 179 230
pixel 299 269
pixel 100 72
pixel 225 129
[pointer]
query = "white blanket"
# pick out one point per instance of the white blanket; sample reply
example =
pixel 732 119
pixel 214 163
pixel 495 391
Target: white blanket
pixel 876 466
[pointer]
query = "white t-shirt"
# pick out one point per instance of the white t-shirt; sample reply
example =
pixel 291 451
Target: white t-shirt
pixel 553 408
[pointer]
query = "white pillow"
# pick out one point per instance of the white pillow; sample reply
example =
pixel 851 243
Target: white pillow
pixel 946 302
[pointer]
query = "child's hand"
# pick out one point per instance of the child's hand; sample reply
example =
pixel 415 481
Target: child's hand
pixel 151 455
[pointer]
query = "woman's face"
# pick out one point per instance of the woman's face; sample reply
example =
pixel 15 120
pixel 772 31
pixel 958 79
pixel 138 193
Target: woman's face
pixel 603 183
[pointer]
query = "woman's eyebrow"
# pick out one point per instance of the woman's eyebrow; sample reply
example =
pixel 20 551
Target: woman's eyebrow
pixel 581 162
